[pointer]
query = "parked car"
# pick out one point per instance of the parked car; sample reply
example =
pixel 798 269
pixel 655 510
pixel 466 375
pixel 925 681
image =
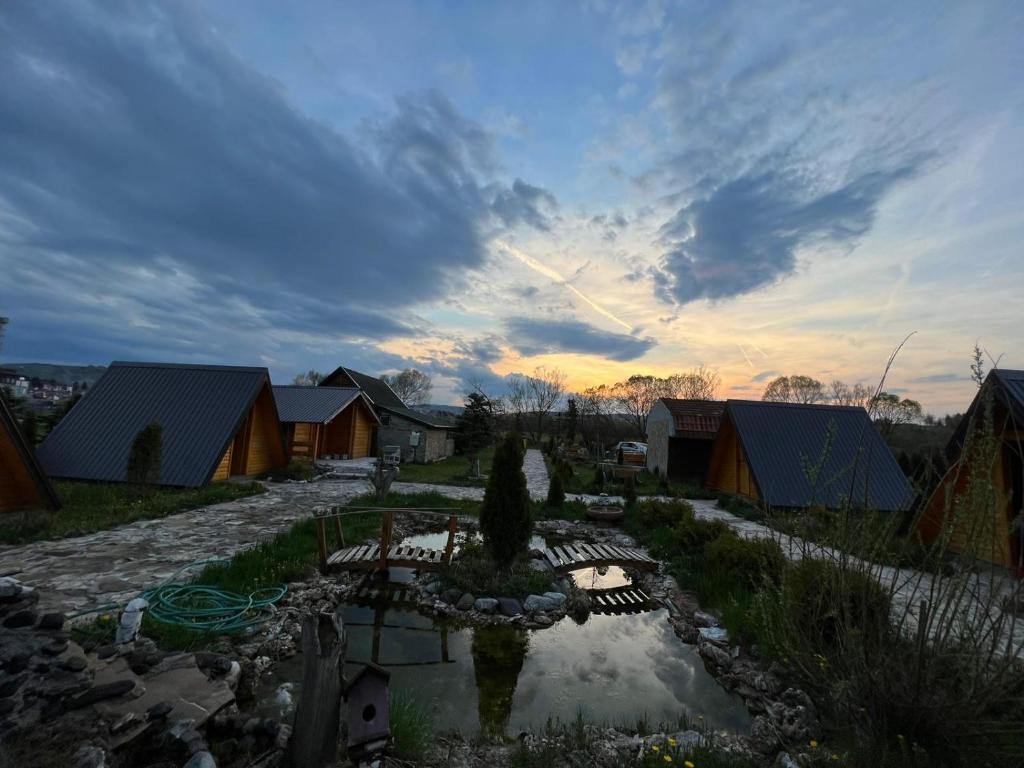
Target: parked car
pixel 630 446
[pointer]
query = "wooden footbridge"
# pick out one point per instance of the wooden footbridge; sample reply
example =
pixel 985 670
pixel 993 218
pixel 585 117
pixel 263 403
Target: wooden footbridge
pixel 383 554
pixel 627 599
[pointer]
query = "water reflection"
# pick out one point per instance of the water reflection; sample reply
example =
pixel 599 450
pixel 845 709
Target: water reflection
pixel 502 679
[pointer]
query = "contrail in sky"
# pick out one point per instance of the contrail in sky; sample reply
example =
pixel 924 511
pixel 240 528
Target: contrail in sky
pixel 554 276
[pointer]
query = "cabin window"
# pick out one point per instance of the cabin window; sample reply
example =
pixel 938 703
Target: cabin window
pixel 385 419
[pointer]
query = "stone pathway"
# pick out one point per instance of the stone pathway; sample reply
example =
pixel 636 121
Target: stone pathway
pixel 536 472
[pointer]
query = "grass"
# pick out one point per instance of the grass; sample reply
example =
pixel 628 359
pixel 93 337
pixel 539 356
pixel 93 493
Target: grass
pixel 476 573
pixel 412 728
pixel 454 470
pixel 88 507
pixel 584 480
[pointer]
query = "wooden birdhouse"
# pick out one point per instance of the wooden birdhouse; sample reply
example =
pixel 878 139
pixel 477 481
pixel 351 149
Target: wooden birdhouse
pixel 366 694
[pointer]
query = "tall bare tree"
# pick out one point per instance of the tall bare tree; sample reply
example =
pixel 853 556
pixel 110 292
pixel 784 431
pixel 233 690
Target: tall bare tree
pixel 889 411
pixel 517 400
pixel 795 389
pixel 310 378
pixel 701 383
pixel 846 394
pixel 595 407
pixel 411 385
pixel 545 388
pixel 636 395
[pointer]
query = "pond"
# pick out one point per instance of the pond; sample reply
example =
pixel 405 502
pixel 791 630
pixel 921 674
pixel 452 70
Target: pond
pixel 500 679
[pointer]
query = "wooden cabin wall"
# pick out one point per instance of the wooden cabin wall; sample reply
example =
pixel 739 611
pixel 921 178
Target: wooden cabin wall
pixel 362 431
pixel 728 470
pixel 18 489
pixel 338 434
pixel 265 449
pixel 223 471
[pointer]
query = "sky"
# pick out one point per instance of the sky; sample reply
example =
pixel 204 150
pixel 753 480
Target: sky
pixel 478 189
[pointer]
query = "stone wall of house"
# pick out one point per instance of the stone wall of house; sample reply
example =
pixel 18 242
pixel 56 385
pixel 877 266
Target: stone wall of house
pixel 659 424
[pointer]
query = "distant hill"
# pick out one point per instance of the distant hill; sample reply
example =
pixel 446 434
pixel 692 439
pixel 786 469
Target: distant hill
pixel 455 410
pixel 62 374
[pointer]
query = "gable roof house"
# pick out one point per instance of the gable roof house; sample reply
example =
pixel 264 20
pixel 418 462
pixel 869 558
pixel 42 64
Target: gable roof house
pixel 326 421
pixel 419 438
pixel 981 448
pixel 680 434
pixel 792 455
pixel 218 422
pixel 23 485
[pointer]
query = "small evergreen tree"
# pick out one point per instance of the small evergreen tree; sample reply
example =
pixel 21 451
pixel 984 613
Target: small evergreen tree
pixel 146 457
pixel 30 428
pixel 556 493
pixel 475 427
pixel 505 514
pixel 629 491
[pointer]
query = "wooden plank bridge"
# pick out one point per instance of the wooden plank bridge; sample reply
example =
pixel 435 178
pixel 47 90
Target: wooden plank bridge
pixel 383 554
pixel 627 599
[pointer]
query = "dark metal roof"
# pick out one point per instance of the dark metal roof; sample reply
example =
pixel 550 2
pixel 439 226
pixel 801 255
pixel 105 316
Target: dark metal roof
pixel 200 408
pixel 379 393
pixel 1007 388
pixel 828 455
pixel 28 456
pixel 314 405
pixel 695 418
pixel 417 417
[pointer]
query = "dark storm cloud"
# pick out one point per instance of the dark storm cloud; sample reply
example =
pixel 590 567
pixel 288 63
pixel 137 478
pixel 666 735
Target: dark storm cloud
pixel 134 142
pixel 525 204
pixel 746 233
pixel 532 336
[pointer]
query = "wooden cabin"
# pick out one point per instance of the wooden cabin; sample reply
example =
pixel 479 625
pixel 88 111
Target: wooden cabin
pixel 797 456
pixel 680 434
pixel 326 421
pixel 218 422
pixel 997 412
pixel 23 484
pixel 418 437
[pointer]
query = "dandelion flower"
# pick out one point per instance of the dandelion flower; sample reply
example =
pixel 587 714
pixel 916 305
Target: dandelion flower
pixel 835 757
pixel 814 744
pixel 688 764
pixel 655 748
pixel 667 758
pixel 672 742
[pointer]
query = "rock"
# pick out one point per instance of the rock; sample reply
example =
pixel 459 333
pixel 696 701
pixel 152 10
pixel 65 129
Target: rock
pixel 541 566
pixel 7 706
pixel 233 675
pixel 10 589
pixel 201 760
pixel 284 733
pixel 100 693
pixel 251 726
pixel 124 722
pixel 794 716
pixel 159 711
pixel 713 634
pixel 466 602
pixel 702 619
pixel 763 737
pixel 485 605
pixel 451 596
pixel 22 618
pixel 51 621
pixel 106 651
pixel 74 664
pixel 785 760
pixel 540 621
pixel 90 756
pixel 509 607
pixel 537 603
pixel 557 598
pixel 717 658
pixel 55 646
pixel 433 588
pixel 10 685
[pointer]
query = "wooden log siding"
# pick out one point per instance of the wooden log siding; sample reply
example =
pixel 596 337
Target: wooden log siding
pixel 362 431
pixel 265 450
pixel 17 487
pixel 223 471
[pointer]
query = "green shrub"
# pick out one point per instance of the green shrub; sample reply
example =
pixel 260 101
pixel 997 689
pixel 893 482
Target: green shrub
pixel 691 534
pixel 654 513
pixel 556 493
pixel 629 491
pixel 752 560
pixel 475 571
pixel 296 469
pixel 505 519
pixel 146 457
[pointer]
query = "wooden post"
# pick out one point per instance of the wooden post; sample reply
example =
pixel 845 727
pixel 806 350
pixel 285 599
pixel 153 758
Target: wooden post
pixel 386 529
pixel 449 547
pixel 338 532
pixel 314 743
pixel 321 538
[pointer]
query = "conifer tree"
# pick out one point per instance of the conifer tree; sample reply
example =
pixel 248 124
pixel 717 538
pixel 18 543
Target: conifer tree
pixel 146 457
pixel 505 515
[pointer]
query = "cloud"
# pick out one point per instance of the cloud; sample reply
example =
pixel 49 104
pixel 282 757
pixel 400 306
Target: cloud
pixel 746 233
pixel 138 147
pixel 533 336
pixel 938 378
pixel 525 204
pixel 764 376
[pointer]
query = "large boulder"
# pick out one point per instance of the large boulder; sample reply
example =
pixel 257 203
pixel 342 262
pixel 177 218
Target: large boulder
pixel 465 603
pixel 485 605
pixel 509 606
pixel 538 603
pixel 556 597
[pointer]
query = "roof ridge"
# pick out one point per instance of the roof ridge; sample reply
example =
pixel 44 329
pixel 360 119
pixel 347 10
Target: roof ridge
pixel 190 366
pixel 777 403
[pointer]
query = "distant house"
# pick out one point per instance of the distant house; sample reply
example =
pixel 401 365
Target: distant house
pixel 999 539
pixel 23 485
pixel 419 437
pixel 789 455
pixel 680 434
pixel 218 422
pixel 326 421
